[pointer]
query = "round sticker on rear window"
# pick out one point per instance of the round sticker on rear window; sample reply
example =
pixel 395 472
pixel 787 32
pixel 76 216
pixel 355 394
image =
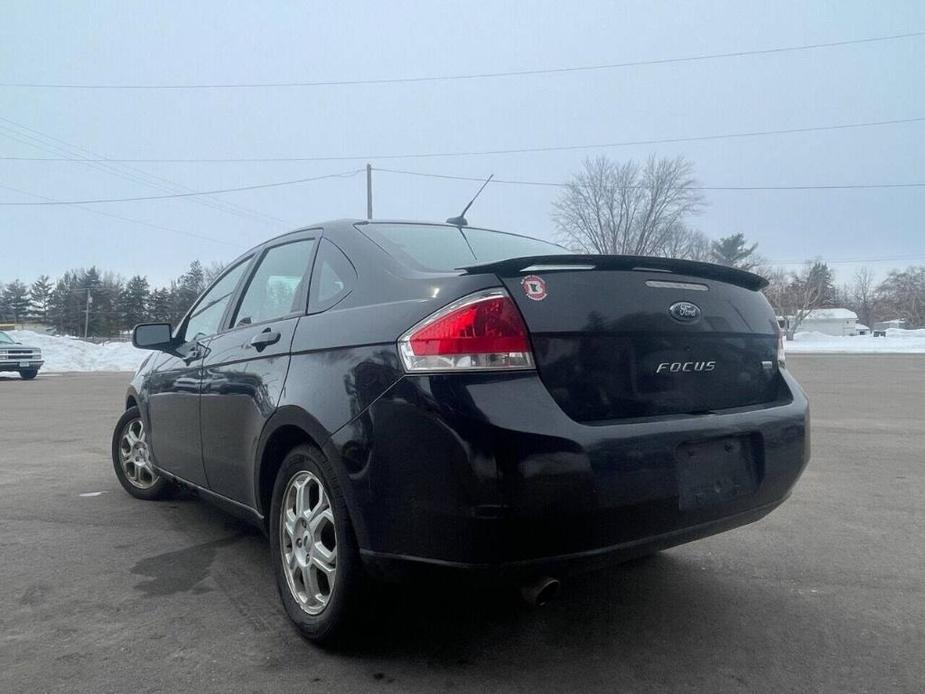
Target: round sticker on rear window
pixel 534 287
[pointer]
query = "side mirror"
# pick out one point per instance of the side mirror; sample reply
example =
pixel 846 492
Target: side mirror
pixel 157 336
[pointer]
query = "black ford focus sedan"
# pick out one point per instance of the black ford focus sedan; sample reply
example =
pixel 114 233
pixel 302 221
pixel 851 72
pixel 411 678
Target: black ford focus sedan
pixel 388 399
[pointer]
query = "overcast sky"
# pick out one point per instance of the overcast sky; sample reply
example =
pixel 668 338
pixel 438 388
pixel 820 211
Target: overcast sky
pixel 124 42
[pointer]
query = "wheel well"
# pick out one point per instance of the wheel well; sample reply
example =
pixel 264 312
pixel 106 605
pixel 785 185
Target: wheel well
pixel 130 402
pixel 279 444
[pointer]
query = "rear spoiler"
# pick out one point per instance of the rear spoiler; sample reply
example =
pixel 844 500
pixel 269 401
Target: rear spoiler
pixel 692 268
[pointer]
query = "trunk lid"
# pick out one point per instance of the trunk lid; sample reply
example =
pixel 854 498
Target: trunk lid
pixel 619 337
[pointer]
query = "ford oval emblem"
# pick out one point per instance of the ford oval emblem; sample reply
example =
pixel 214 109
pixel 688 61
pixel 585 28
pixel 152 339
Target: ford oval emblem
pixel 684 311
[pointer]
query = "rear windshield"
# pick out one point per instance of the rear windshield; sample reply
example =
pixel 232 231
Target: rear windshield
pixel 442 248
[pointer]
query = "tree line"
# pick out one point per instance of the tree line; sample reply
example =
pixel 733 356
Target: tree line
pixel 101 302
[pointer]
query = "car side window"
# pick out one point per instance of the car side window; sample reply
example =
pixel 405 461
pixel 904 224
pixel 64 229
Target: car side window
pixel 205 318
pixel 277 287
pixel 332 278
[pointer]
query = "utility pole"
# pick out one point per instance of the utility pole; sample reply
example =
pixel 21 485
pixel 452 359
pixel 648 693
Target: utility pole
pixel 87 313
pixel 369 191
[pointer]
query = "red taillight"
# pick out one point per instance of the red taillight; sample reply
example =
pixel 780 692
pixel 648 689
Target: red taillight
pixel 481 331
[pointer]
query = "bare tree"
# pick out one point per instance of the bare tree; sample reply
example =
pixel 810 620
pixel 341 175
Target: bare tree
pixel 902 295
pixel 627 209
pixel 805 295
pixel 861 294
pixel 794 295
pixel 688 244
pixel 778 286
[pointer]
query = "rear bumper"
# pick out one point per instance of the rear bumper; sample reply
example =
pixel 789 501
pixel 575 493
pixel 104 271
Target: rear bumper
pixel 487 475
pixel 402 567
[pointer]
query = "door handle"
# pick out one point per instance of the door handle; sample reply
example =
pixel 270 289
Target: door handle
pixel 262 340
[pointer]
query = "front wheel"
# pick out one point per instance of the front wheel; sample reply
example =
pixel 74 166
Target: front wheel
pixel 131 458
pixel 315 559
pixel 28 374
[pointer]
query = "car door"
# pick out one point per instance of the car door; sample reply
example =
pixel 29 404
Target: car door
pixel 245 367
pixel 172 387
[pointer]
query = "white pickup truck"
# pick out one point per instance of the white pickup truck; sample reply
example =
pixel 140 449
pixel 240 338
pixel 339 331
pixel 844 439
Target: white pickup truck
pixel 14 356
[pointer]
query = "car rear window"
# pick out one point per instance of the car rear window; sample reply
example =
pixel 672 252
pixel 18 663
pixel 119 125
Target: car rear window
pixel 442 248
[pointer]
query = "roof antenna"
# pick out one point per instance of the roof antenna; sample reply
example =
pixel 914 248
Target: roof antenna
pixel 460 221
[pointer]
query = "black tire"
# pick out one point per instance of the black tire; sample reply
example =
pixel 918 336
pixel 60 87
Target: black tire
pixel 337 623
pixel 29 374
pixel 160 489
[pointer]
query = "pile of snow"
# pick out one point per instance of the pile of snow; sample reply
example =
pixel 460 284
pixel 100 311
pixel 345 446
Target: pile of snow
pixel 897 341
pixel 71 354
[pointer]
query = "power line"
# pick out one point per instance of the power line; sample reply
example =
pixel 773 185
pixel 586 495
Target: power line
pixel 43 141
pixel 228 243
pixel 469 76
pixel 859 186
pixel 354 172
pixel 125 219
pixel 344 174
pixel 488 152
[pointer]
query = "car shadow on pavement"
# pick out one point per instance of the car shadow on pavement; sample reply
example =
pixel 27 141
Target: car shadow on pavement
pixel 441 619
pixel 680 616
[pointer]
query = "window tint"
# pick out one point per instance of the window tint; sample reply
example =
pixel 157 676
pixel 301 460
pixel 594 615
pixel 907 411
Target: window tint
pixel 433 247
pixel 489 246
pixel 278 286
pixel 5 338
pixel 206 315
pixel 332 277
pixel 421 245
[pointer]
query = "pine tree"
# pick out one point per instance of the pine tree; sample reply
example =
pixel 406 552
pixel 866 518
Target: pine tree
pixel 40 294
pixel 106 306
pixel 186 289
pixel 16 300
pixel 734 252
pixel 133 303
pixel 88 287
pixel 159 306
pixel 68 301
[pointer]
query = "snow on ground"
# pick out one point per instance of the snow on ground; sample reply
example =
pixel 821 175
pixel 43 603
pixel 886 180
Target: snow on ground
pixel 896 342
pixel 71 354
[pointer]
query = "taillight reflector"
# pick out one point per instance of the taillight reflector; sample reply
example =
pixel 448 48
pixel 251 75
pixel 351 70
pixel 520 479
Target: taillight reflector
pixel 481 331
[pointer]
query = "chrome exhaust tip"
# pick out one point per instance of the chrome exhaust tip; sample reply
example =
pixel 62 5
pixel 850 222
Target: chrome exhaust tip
pixel 541 591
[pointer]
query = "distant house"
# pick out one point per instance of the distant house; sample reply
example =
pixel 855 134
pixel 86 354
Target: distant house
pixel 862 329
pixel 830 321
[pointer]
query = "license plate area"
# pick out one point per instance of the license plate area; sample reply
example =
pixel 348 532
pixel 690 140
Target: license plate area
pixel 716 471
pixel 24 365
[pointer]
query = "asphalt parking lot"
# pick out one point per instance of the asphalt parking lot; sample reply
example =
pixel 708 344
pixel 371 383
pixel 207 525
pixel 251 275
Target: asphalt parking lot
pixel 104 593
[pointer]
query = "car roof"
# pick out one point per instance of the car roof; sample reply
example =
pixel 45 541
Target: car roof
pixel 347 224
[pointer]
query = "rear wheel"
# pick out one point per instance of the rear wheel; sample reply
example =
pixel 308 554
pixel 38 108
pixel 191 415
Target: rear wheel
pixel 29 374
pixel 315 558
pixel 131 458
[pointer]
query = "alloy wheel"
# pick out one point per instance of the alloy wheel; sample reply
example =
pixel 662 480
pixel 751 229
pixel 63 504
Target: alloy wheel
pixel 308 542
pixel 135 456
